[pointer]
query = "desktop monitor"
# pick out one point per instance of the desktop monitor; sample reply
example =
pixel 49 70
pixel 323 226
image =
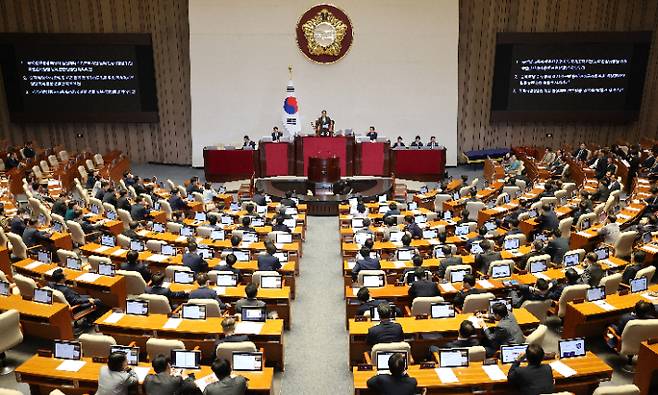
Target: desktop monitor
pixel 462 230
pixel 430 234
pixel 532 213
pixel 247 361
pixel 457 276
pixel 639 285
pixel 510 352
pixel 411 206
pixel 235 206
pixel 374 280
pixel 538 266
pixel 501 271
pixel 44 296
pixel 4 288
pixel 73 263
pixel 108 240
pixel 282 255
pixel 255 314
pixel 156 206
pixel 491 225
pixel 157 227
pixel 183 277
pixel 569 348
pixel 67 349
pixel 442 310
pixel 106 269
pixel 200 216
pixel 57 226
pixel 44 256
pixel 205 252
pixel 137 245
pixel 271 281
pixel 290 222
pixel 137 307
pixel 217 235
pixel 455 196
pixel 384 356
pixel 111 215
pixel 438 252
pixel 186 359
pixel 226 220
pixel 283 238
pixel 226 280
pixel 132 353
pixel 506 198
pixel 570 260
pixel 595 293
pixel 453 358
pixel 506 301
pixel 191 311
pixel 602 253
pixel 476 248
pixel 447 215
pixel 249 237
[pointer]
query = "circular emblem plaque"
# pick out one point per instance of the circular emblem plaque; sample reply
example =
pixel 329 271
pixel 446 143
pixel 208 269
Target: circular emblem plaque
pixel 324 33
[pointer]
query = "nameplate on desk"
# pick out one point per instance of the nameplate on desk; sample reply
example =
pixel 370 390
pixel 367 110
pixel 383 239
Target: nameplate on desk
pixel 624 216
pixel 102 249
pixel 113 318
pixel 651 248
pixel 604 305
pixel 172 323
pixel 249 328
pixel 33 265
pixel 88 277
pixel 71 365
pixel 494 372
pixel 446 375
pixel 119 252
pixel 563 369
pixel 485 284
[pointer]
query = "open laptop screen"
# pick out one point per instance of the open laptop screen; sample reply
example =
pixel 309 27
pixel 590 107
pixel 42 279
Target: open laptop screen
pixel 509 353
pixel 193 311
pixel 595 293
pixel 572 348
pixel 639 284
pixel 137 307
pixel 256 314
pixel 442 310
pixel 184 359
pixel 132 353
pixel 247 361
pixel 64 349
pixel 453 358
pixel 384 356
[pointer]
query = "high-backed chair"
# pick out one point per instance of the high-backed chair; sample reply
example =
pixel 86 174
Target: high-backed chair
pixel 647 272
pixel 477 302
pixel 569 293
pixel 204 231
pixel 537 336
pixel 166 207
pixel 135 284
pixel 110 209
pixel 591 217
pixel 635 332
pixel 123 241
pixel 155 347
pixel 62 254
pixel 18 247
pixel 174 227
pixel 95 345
pixel 538 308
pixel 565 226
pixel 256 276
pixel 25 285
pixel 511 190
pixel 624 389
pixel 155 245
pixel 569 187
pixel 452 268
pixel 95 260
pixel 477 354
pixel 98 160
pixel 624 244
pixel 172 186
pixel 7 391
pixel 225 350
pixel 388 347
pixel 212 306
pixel 63 155
pixel 77 234
pixel 611 283
pixel 369 273
pixel 125 217
pixel 543 257
pixel 439 198
pixel 52 160
pixel 474 208
pixel 158 304
pixel 500 200
pixel 501 262
pixel 522 238
pixel 83 172
pixel 10 327
pixel 90 165
pixel 423 304
pixel 170 269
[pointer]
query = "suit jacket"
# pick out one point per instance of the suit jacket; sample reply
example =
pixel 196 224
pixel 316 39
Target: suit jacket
pixel 59 208
pixel 160 290
pixel 630 272
pixel 580 154
pixel 548 221
pixel 531 380
pixel 206 293
pixel 423 287
pixel 276 136
pixel 162 384
pixel 281 228
pixel 110 198
pixel 268 262
pixel 462 343
pixel 372 135
pixel 246 302
pixel 415 230
pixel 386 384
pixel 17 225
pixel 592 275
pixel 259 199
pixel 556 249
pixel 115 383
pixel 385 332
pixel 124 204
pixel 177 203
pixel 366 263
pixel 601 194
pixel 33 236
pixel 227 386
pixel 140 268
pixel 71 296
pixel 391 212
pixel 138 212
pixel 482 261
pixel 288 202
pixel 195 262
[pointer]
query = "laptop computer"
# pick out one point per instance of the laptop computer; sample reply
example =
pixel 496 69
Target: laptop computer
pixel 457 276
pixel 384 356
pixel 67 349
pixel 267 281
pixel 501 271
pixel 44 296
pixel 106 269
pixel 73 263
pixel 227 280
pixel 511 352
pixel 453 358
pixel 374 280
pixel 247 361
pixel 442 310
pixel 132 353
pixel 186 359
pixel 595 293
pixel 137 307
pixel 570 348
pixel 639 285
pixel 254 314
pixel 190 311
pixel 183 277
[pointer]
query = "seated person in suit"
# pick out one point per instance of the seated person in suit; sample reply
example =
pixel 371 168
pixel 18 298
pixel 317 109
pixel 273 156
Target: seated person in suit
pixel 406 244
pixel 547 219
pixel 399 143
pixel 396 383
pixel 372 134
pixel 366 263
pixel 18 223
pixel 228 329
pixel 246 225
pixel 288 201
pixel 447 261
pixel 279 226
pixel 432 143
pixel 386 331
pixel 123 202
pixel 75 299
pixel 227 266
pixel 483 260
pixel 131 232
pixel 557 246
pixel 162 382
pixel 176 202
pixel 247 143
pixel 593 272
pixel 642 310
pixel 132 263
pixel 194 186
pixel 367 302
pixel 468 288
pixel 157 288
pixel 116 377
pixel 370 244
pixel 276 134
pixel 534 379
pixel 467 338
pixel 571 277
pixel 638 262
pixel 482 235
pixel 412 228
pixel 417 143
pixel 251 291
pixel 525 292
pixel 422 286
pixel 138 211
pixel 506 332
pixel 203 292
pixel 226 383
pixel 536 249
pixel 268 261
pixel 33 236
pixel 464 217
pixel 193 260
pixel 392 210
pixel 409 274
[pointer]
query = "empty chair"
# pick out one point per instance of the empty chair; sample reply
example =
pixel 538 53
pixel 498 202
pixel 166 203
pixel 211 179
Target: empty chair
pixel 44 166
pixel 439 199
pixel 155 347
pixel 125 217
pixel 388 347
pixel 569 187
pixel 625 389
pixel 521 184
pixel 62 254
pixel 474 208
pixel 477 302
pixel 565 227
pixel 166 207
pixel 624 244
pixel 25 285
pixel 465 191
pixel 83 172
pixel 363 273
pixel 155 245
pixel 569 293
pixel 172 186
pixel 123 241
pixel 135 284
pixel 63 155
pixel 225 350
pixel 538 308
pixel 98 160
pixel 81 193
pixel 611 283
pixel 94 261
pixel 158 304
pixel 560 194
pixel 36 170
pixel 19 249
pixel 94 345
pixel 537 336
pixel 90 165
pixel 110 209
pixel 589 217
pixel 212 306
pixel 500 200
pixel 204 231
pixel 423 304
pixel 647 272
pixel 512 191
pixel 10 327
pixel 77 234
pixel 635 332
pixel 182 191
pixel 52 160
pixel 174 227
pixel 477 354
pixel 551 200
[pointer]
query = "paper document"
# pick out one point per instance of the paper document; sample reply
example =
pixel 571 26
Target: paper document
pixel 71 366
pixel 584 234
pixel 650 298
pixel 220 290
pixel 113 318
pixel 141 372
pixel 541 275
pixel 355 291
pixel 119 252
pixel 88 277
pixel 181 239
pixel 249 328
pixel 34 265
pixel 604 305
pixel 446 375
pixel 157 258
pixel 172 323
pixel 563 369
pixel 447 287
pixel 203 382
pixel 485 284
pixel 475 321
pixel 494 372
pixel 102 249
pixel 143 232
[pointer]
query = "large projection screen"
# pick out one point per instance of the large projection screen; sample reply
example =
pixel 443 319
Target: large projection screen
pixel 400 74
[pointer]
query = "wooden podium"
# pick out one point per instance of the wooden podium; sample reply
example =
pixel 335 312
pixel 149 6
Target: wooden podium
pixel 323 170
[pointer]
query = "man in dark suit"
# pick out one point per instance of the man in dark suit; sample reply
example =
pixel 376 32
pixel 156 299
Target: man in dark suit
pixel 581 153
pixel 468 288
pixel 324 126
pixel 536 249
pixel 162 382
pixel 449 260
pixel 642 310
pixel 276 134
pixel 227 266
pixel 287 201
pixel 194 186
pixel 367 302
pixel 372 134
pixel 203 292
pixel 392 210
pixel 366 263
pixel 483 260
pixel 614 184
pixel 193 260
pixel 110 197
pixel 638 262
pixel 131 232
pixel 156 288
pixel 81 302
pixel 467 338
pixel 602 192
pixel 557 246
pixel 534 379
pixel 28 150
pixel 507 331
pixel 572 278
pixel 268 261
pixel 176 202
pixel 259 198
pixel 593 272
pixel 138 211
pixel 247 143
pixel 279 226
pixel 412 227
pixel 396 383
pixel 547 220
pixel 422 286
pixel 33 236
pixel 611 167
pixel 600 165
pixel 17 224
pixel 132 263
pixel 386 331
pixel 123 202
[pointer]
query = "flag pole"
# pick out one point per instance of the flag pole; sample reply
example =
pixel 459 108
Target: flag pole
pixel 290 71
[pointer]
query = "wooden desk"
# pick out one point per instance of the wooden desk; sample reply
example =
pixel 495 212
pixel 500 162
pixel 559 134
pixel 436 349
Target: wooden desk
pixel 47 321
pixel 5 263
pixel 647 364
pixel 589 319
pixel 414 329
pixel 42 376
pixel 590 370
pixel 201 333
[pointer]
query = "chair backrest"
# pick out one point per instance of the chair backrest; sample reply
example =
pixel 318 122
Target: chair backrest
pixel 500 200
pixel 624 244
pixel 94 345
pixel 212 306
pixel 147 198
pixel 170 269
pixel 225 350
pixel 98 203
pixel 98 159
pixel 25 285
pixel 44 166
pixel 182 191
pixel 197 197
pixel 522 238
pixel 635 332
pixel 212 275
pixel 135 284
pixel 569 293
pixel 581 253
pixel 37 172
pixel 82 193
pixel 52 159
pixel 565 226
pixel 560 194
pixel 477 354
pixel 60 219
pixel 569 187
pixel 19 249
pixel 501 262
pixel 423 304
pixel 611 283
pixel 538 308
pixel 125 217
pixel 95 260
pixel 174 227
pixel 439 198
pixel 58 296
pixel 62 254
pixel 155 347
pixel 171 184
pixel 123 241
pixel 598 209
pixel 83 172
pixel 477 302
pixel 369 273
pixel 77 234
pixel 166 207
pixel 591 217
pixel 158 304
pixel 63 155
pixel 204 231
pixel 511 190
pixel 538 258
pixel 464 191
pixel 474 208
pixel 549 200
pixel 537 336
pixel 255 277
pixel 624 389
pixel 388 347
pixel 110 208
pixel 10 327
pixel 4 241
pixel 155 245
pixel 452 268
pixel 647 272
